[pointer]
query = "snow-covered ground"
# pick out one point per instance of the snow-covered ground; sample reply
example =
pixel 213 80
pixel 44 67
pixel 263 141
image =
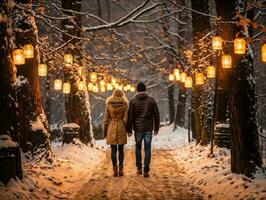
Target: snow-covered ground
pixel 213 176
pixel 73 167
pixel 166 139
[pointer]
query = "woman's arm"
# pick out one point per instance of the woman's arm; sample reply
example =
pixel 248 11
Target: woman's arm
pixel 106 121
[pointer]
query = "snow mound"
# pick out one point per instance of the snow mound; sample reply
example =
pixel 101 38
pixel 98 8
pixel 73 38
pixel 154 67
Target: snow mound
pixel 212 174
pixel 71 125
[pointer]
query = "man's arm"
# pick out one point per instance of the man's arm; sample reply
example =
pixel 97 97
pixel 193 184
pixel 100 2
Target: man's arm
pixel 156 116
pixel 130 117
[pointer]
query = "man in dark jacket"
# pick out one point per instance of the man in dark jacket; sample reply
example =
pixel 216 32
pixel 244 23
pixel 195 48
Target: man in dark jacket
pixel 143 118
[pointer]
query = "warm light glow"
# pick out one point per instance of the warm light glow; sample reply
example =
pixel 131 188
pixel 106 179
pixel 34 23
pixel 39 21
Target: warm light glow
pixel 93 76
pixel 199 79
pixel 18 57
pixel 120 87
pixel 109 86
pixel 133 89
pixel 177 74
pixel 125 88
pixel 68 60
pixel 81 85
pixel 183 77
pixel 177 77
pixel 28 51
pixel 217 43
pixel 211 71
pixel 188 82
pixel 113 80
pixel 95 88
pixel 116 85
pixel 90 86
pixel 58 84
pixel 42 69
pixel 128 87
pixel 226 61
pixel 102 89
pixel 263 53
pixel 102 83
pixel 239 46
pixel 66 88
pixel 171 77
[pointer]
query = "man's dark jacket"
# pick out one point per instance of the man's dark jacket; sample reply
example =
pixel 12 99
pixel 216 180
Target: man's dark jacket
pixel 143 114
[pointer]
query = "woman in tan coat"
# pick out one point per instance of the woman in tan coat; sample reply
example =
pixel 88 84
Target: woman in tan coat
pixel 115 121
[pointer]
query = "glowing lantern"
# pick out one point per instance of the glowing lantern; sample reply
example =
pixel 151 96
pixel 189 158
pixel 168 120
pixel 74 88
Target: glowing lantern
pixel 95 88
pixel 102 83
pixel 93 76
pixel 120 87
pixel 171 77
pixel 116 86
pixel 18 57
pixel 188 82
pixel 81 85
pixel 199 79
pixel 177 77
pixel 239 46
pixel 263 53
pixel 113 80
pixel 109 86
pixel 176 73
pixel 226 61
pixel 28 51
pixel 68 60
pixel 133 89
pixel 66 88
pixel 183 77
pixel 125 88
pixel 211 71
pixel 42 70
pixel 58 84
pixel 128 87
pixel 217 43
pixel 102 89
pixel 90 86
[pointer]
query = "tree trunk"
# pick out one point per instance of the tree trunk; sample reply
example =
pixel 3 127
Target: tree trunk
pixel 225 10
pixel 34 138
pixel 77 102
pixel 181 106
pixel 171 103
pixel 245 154
pixel 201 26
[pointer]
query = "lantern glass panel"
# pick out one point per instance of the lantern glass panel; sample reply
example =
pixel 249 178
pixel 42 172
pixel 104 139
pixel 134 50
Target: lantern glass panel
pixel 42 69
pixel 199 79
pixel 226 61
pixel 58 84
pixel 263 53
pixel 171 77
pixel 188 82
pixel 211 71
pixel 28 51
pixel 183 77
pixel 217 43
pixel 18 57
pixel 66 88
pixel 68 60
pixel 239 46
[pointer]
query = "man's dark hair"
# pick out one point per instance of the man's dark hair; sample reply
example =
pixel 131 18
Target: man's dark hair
pixel 141 87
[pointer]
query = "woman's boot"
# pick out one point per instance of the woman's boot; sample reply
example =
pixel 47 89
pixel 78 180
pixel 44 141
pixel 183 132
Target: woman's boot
pixel 121 173
pixel 115 171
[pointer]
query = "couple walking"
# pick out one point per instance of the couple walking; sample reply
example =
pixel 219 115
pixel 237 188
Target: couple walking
pixel 142 115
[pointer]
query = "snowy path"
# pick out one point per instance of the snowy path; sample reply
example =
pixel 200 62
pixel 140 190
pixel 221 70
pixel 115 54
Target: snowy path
pixel 165 181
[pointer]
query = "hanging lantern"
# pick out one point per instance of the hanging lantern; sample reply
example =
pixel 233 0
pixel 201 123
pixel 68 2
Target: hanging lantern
pixel 120 87
pixel 113 80
pixel 66 88
pixel 176 73
pixel 95 88
pixel 58 84
pixel 90 86
pixel 177 77
pixel 109 87
pixel 102 82
pixel 211 71
pixel 133 89
pixel 125 88
pixel 217 43
pixel 188 82
pixel 239 46
pixel 263 53
pixel 171 77
pixel 42 69
pixel 93 76
pixel 199 78
pixel 18 57
pixel 28 51
pixel 116 86
pixel 128 87
pixel 102 89
pixel 226 61
pixel 81 85
pixel 68 60
pixel 183 77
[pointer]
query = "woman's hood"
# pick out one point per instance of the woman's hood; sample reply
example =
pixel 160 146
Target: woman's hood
pixel 116 102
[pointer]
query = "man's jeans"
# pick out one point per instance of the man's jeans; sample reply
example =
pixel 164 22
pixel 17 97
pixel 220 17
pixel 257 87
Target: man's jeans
pixel 120 156
pixel 147 136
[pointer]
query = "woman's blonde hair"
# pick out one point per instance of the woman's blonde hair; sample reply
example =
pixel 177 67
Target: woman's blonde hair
pixel 117 93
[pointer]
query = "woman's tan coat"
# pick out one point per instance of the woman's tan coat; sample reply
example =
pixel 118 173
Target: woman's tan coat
pixel 115 121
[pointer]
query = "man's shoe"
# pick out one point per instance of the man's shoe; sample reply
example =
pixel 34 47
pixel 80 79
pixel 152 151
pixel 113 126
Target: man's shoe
pixel 120 171
pixel 139 172
pixel 146 174
pixel 115 171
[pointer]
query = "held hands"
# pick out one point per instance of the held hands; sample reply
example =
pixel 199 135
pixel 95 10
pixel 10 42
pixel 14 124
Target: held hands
pixel 155 133
pixel 129 134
